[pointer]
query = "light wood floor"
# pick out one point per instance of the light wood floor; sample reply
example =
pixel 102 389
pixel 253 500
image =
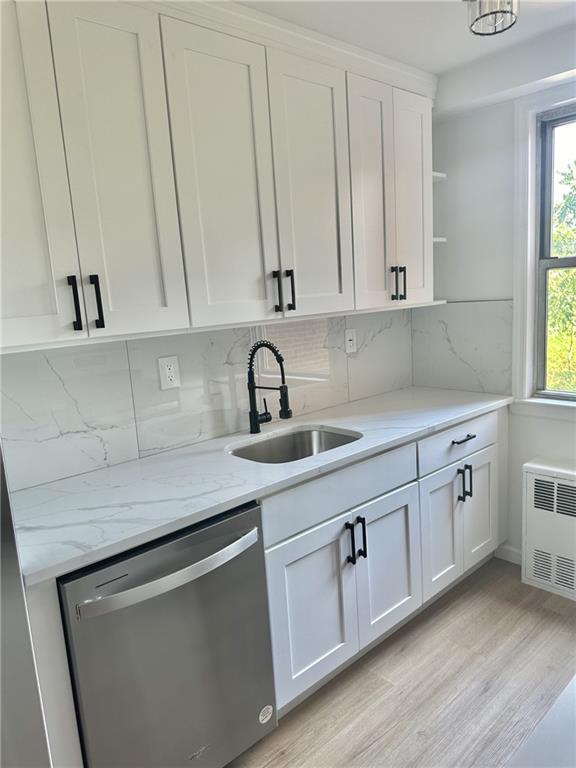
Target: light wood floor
pixel 461 685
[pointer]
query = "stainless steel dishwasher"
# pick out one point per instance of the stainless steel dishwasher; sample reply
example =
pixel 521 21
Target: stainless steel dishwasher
pixel 169 649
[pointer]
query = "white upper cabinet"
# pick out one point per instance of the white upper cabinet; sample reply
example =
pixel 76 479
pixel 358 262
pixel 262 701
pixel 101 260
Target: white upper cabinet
pixel 218 98
pixel 391 174
pixel 110 82
pixel 311 165
pixel 413 179
pixel 371 122
pixel 38 244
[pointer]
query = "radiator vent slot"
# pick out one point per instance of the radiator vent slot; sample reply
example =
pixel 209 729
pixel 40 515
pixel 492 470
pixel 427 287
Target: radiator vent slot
pixel 542 565
pixel 565 574
pixel 544 495
pixel 566 499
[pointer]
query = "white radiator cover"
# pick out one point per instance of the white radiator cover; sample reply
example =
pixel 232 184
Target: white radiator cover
pixel 549 527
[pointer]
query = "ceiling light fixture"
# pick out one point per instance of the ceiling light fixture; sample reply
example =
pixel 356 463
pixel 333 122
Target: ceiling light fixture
pixel 490 17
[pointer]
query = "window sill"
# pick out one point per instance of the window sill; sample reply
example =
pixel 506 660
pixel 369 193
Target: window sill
pixel 545 408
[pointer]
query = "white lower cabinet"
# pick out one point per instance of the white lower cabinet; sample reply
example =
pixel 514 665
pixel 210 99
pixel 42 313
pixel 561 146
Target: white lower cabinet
pixel 340 585
pixel 312 598
pixel 481 509
pixel 333 590
pixel 388 575
pixel 459 518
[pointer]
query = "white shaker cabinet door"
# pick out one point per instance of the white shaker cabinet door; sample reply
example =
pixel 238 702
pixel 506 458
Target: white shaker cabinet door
pixel 311 167
pixel 38 245
pixel 413 180
pixel 441 516
pixel 313 614
pixel 371 121
pixel 480 511
pixel 218 97
pixel 388 570
pixel 110 80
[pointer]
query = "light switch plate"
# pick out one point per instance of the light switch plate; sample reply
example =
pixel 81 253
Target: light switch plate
pixel 350 340
pixel 169 372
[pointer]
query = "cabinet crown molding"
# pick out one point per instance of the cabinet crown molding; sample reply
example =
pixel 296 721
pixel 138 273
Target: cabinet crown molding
pixel 260 27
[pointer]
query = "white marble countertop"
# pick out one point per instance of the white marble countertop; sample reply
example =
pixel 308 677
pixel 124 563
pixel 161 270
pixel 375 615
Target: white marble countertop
pixel 71 523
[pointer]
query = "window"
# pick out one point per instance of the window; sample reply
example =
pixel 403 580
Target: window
pixel 556 311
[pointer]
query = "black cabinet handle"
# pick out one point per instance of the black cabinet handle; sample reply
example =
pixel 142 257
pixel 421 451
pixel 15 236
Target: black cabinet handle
pixel 351 558
pixel 396 295
pixel 364 551
pixel 99 322
pixel 404 295
pixel 290 274
pixel 73 283
pixel 277 275
pixel 464 439
pixel 462 473
pixel 469 492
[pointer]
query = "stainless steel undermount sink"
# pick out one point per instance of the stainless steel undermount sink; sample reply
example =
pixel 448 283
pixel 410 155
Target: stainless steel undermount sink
pixel 298 443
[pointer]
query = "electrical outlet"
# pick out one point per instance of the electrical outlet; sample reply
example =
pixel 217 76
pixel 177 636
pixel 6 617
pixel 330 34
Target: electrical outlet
pixel 169 372
pixel 350 340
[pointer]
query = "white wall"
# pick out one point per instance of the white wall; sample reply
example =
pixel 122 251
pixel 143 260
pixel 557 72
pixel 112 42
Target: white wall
pixel 473 207
pixel 529 66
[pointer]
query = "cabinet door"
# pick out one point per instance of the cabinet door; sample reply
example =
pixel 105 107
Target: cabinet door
pixel 311 166
pixel 111 86
pixel 313 614
pixel 413 179
pixel 218 97
pixel 480 511
pixel 371 121
pixel 442 534
pixel 38 245
pixel 389 578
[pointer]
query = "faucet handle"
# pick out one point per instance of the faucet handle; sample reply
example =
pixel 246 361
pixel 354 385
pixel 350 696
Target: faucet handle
pixel 266 416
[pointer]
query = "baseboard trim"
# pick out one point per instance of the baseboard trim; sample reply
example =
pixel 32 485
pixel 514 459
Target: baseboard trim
pixel 509 553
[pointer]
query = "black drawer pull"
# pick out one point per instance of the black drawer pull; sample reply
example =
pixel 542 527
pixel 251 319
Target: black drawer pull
pixel 277 275
pixel 404 295
pixel 99 322
pixel 364 551
pixel 73 283
pixel 462 473
pixel 464 439
pixel 351 558
pixel 469 492
pixel 396 295
pixel 290 274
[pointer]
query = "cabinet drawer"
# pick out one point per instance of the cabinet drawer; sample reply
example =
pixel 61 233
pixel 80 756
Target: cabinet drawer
pixel 309 504
pixel 439 450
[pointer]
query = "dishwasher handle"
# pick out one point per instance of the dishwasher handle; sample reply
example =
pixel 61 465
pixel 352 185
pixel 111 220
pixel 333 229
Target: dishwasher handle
pixel 108 603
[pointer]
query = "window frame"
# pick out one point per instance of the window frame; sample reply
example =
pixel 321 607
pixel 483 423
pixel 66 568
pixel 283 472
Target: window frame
pixel 546 123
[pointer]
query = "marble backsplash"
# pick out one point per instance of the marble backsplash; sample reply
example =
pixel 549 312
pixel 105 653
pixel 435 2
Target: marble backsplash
pixel 464 345
pixel 65 411
pixel 75 409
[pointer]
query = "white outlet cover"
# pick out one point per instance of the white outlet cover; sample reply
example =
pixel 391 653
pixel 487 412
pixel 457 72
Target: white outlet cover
pixel 169 370
pixel 350 340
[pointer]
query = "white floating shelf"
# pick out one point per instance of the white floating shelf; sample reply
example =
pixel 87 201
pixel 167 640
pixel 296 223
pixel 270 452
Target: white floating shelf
pixel 438 176
pixel 439 240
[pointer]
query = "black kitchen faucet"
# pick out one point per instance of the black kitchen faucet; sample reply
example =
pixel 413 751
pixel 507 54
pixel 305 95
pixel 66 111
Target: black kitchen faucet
pixel 257 418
